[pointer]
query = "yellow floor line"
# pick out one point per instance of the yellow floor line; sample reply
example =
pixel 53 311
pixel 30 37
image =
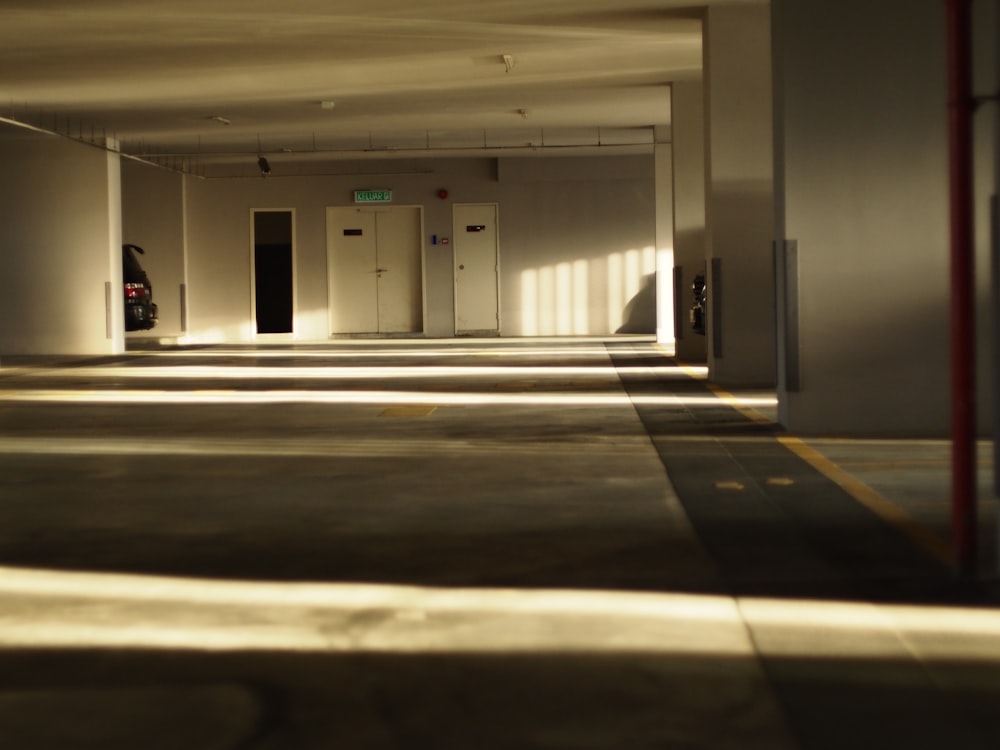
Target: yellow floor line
pixel 888 511
pixel 733 401
pixel 884 509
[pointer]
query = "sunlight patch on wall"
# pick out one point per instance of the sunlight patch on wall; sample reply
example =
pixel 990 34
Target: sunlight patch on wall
pixel 630 274
pixel 555 300
pixel 546 300
pixel 616 292
pixel 586 297
pixel 564 299
pixel 581 297
pixel 529 302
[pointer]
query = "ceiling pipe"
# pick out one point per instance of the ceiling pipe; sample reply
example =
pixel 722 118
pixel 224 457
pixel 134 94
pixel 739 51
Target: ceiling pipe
pixel 102 145
pixel 963 293
pixel 305 153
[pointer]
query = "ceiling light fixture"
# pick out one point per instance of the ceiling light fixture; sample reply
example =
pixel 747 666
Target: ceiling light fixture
pixel 327 104
pixel 508 60
pixel 221 120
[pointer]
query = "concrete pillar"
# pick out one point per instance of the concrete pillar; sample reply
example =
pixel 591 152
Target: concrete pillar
pixel 688 120
pixel 664 186
pixel 60 249
pixel 739 195
pixel 862 214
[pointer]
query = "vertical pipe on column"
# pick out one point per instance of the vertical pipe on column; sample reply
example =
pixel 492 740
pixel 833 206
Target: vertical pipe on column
pixel 963 380
pixel 995 289
pixel 995 285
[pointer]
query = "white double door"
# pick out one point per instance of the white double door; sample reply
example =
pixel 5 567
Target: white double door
pixel 374 266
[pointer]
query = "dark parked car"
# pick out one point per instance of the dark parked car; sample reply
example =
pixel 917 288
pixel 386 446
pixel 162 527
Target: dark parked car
pixel 140 311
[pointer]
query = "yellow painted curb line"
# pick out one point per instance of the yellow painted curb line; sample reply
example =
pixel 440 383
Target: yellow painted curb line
pixel 884 509
pixel 888 511
pixel 733 401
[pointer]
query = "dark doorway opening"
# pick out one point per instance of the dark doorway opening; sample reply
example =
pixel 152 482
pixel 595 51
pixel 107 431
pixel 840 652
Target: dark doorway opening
pixel 272 258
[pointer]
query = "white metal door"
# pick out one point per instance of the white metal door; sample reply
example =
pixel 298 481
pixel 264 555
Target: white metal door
pixel 351 264
pixel 398 274
pixel 476 263
pixel 374 267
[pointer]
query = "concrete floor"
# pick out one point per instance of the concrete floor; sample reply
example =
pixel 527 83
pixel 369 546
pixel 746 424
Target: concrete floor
pixel 469 544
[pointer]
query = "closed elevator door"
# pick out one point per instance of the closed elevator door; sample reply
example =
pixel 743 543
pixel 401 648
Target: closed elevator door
pixel 374 264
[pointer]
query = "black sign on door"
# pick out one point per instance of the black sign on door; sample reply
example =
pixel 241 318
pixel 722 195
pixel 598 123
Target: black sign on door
pixel 272 257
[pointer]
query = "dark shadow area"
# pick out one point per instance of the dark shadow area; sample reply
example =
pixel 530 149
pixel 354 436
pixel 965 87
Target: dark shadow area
pixel 773 524
pixel 272 699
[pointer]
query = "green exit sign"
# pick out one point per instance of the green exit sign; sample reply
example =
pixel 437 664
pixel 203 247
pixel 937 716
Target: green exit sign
pixel 372 196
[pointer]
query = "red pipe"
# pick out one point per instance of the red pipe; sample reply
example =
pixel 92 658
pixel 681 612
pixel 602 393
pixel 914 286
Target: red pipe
pixel 963 293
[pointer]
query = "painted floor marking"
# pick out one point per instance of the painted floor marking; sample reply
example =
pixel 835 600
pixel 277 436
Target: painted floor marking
pixel 779 482
pixel 730 486
pixel 884 509
pixel 888 511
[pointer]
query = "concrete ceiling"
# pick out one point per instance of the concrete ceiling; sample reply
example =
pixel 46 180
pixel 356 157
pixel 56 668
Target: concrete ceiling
pixel 202 83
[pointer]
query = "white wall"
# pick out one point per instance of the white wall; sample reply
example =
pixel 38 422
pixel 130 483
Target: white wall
pixel 863 189
pixel 578 232
pixel 60 245
pixel 577 246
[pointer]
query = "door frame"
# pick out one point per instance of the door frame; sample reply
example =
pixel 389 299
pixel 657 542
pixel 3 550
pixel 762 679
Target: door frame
pixel 454 260
pixel 376 209
pixel 253 280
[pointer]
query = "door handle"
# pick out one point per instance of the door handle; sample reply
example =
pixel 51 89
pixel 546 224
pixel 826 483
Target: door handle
pixel 381 270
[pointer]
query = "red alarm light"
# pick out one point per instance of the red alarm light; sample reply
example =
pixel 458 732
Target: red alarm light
pixel 442 193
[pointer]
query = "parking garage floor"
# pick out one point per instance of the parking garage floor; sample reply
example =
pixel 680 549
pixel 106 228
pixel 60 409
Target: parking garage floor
pixel 566 543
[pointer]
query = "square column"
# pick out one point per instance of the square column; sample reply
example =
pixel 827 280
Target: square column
pixel 60 251
pixel 739 195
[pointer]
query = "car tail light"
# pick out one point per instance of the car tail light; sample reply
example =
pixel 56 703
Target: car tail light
pixel 133 290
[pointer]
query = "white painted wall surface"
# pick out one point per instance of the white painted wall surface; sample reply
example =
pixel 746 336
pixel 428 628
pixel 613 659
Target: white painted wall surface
pixel 577 241
pixel 577 246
